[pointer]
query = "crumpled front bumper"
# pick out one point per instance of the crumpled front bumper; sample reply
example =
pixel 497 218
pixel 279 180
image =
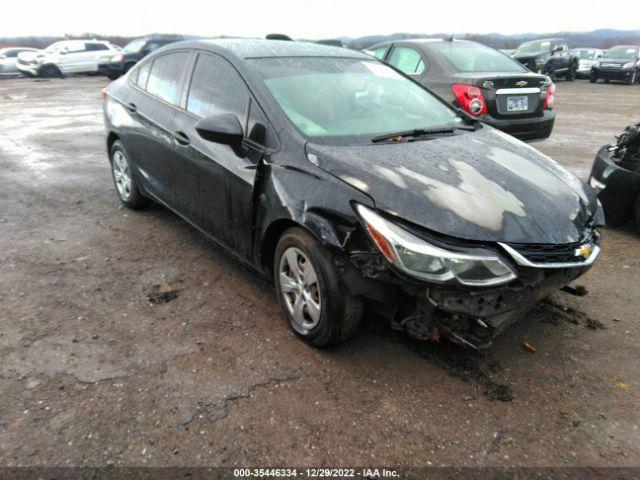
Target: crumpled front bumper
pixel 471 316
pixel 617 187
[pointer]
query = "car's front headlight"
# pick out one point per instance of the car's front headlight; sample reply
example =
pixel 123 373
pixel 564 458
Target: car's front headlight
pixel 628 65
pixel 423 260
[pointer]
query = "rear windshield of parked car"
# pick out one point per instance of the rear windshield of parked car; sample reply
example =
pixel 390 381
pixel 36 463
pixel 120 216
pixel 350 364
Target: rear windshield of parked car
pixel 473 57
pixel 329 99
pixel 622 52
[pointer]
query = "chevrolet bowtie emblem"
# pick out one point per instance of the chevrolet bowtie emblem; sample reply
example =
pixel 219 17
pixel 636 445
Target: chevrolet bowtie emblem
pixel 521 83
pixel 584 251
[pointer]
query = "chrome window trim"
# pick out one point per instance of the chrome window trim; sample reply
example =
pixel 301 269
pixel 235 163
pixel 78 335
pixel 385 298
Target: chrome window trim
pixel 521 260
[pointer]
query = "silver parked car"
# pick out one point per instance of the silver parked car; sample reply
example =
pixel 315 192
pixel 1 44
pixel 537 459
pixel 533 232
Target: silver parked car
pixel 586 58
pixel 9 58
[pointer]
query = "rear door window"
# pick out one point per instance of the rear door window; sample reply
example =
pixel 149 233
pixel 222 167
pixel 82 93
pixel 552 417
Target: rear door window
pixel 94 47
pixel 407 60
pixel 165 76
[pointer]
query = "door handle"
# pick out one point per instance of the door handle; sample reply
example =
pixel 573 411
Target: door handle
pixel 181 138
pixel 132 107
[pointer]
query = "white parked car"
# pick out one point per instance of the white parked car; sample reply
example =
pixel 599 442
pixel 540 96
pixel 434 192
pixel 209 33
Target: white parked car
pixel 586 59
pixel 9 58
pixel 65 57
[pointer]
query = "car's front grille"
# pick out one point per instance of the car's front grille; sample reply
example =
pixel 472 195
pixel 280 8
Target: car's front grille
pixel 610 65
pixel 554 253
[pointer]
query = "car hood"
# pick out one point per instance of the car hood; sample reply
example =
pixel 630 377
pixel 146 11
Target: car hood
pixel 483 185
pixel 28 56
pixel 617 61
pixel 527 56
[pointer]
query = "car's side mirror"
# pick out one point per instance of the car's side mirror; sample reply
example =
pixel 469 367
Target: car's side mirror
pixel 225 129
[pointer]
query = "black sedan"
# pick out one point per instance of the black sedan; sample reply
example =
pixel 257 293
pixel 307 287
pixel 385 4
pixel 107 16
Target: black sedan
pixel 621 63
pixel 485 82
pixel 349 185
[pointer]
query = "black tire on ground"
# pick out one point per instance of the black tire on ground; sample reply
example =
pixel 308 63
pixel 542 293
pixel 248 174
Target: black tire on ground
pixel 340 312
pixel 550 71
pixel 135 200
pixel 49 71
pixel 571 74
pixel 593 79
pixel 632 78
pixel 113 76
pixel 606 80
pixel 128 67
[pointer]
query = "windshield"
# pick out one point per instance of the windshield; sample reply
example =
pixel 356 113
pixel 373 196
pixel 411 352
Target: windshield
pixel 533 48
pixel 347 98
pixel 586 54
pixel 473 57
pixel 134 45
pixel 621 52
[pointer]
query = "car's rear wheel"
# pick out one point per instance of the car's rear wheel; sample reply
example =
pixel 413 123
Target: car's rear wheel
pixel 319 308
pixel 124 180
pixel 593 79
pixel 49 71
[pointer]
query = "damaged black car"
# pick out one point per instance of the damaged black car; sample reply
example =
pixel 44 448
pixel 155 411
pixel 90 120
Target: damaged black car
pixel 616 177
pixel 351 186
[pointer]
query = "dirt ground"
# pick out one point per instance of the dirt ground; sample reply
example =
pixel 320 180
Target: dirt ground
pixel 93 372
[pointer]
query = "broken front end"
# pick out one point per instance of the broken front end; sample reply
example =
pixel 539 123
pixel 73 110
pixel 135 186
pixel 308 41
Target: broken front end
pixel 468 292
pixel 616 176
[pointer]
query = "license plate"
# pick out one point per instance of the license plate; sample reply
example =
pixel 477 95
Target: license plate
pixel 517 104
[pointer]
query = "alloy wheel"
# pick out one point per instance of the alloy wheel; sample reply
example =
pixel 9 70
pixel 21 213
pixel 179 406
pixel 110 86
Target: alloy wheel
pixel 122 175
pixel 300 289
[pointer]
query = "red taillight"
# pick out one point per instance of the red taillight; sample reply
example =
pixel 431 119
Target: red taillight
pixel 549 99
pixel 104 93
pixel 470 99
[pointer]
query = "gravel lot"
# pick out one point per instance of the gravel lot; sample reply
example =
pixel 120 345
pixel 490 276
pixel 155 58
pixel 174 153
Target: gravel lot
pixel 93 373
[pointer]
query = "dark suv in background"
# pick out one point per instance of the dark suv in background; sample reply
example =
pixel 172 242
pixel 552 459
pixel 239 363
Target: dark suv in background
pixel 621 62
pixel 550 56
pixel 485 83
pixel 133 52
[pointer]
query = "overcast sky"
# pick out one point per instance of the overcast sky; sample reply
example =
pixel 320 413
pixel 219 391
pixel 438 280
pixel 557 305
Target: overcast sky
pixel 313 19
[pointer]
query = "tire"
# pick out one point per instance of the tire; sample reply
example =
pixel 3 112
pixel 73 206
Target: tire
pixel 593 79
pixel 49 71
pixel 550 71
pixel 113 76
pixel 571 74
pixel 632 79
pixel 316 303
pixel 124 180
pixel 127 67
pixel 606 80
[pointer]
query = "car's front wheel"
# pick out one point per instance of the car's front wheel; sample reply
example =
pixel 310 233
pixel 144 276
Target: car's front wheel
pixel 49 71
pixel 318 306
pixel 632 78
pixel 593 79
pixel 124 180
pixel 571 74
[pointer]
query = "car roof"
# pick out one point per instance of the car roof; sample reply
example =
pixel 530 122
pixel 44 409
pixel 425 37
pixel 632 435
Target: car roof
pixel 250 48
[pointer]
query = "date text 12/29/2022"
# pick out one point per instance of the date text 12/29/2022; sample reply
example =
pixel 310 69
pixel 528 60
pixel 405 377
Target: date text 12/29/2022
pixel 373 473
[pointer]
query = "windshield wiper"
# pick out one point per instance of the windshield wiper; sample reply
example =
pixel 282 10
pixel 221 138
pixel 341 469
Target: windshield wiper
pixel 418 132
